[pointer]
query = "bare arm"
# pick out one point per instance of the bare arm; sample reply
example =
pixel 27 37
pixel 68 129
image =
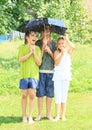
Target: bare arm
pixel 57 57
pixel 23 58
pixel 37 59
pixel 71 46
pixel 45 48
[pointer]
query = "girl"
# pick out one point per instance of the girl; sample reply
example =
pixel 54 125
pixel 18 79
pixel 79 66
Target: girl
pixel 62 74
pixel 30 60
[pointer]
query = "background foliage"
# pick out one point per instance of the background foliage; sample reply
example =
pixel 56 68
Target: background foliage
pixel 14 12
pixel 9 68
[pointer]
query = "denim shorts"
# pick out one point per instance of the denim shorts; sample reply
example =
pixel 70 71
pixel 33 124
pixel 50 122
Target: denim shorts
pixel 28 83
pixel 45 85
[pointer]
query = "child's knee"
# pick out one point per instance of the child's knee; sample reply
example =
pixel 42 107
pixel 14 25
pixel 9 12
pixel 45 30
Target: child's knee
pixel 32 96
pixel 24 96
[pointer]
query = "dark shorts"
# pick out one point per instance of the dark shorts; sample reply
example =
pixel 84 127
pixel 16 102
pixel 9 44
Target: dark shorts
pixel 45 85
pixel 28 83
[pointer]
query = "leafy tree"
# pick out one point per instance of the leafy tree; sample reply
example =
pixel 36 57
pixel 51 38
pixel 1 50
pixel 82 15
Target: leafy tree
pixel 14 12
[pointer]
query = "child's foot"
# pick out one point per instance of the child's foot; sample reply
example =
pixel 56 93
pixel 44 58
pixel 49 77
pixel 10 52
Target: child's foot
pixel 56 118
pixel 38 118
pixel 24 119
pixel 64 118
pixel 50 118
pixel 30 120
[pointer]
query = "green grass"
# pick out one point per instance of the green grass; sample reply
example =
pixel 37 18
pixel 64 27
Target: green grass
pixel 79 104
pixel 82 69
pixel 9 68
pixel 79 114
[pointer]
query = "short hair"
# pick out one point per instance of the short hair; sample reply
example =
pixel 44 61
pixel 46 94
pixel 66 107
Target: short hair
pixel 27 33
pixel 45 27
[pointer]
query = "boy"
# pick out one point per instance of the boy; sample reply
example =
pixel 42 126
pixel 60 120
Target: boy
pixel 30 60
pixel 45 86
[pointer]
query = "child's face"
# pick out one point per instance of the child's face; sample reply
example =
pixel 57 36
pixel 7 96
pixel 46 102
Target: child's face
pixel 61 44
pixel 46 33
pixel 32 38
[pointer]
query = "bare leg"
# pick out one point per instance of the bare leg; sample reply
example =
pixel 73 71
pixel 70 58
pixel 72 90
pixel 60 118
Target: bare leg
pixel 63 106
pixel 24 103
pixel 31 103
pixel 40 106
pixel 48 107
pixel 58 107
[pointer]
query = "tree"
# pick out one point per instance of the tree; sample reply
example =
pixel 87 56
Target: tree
pixel 14 12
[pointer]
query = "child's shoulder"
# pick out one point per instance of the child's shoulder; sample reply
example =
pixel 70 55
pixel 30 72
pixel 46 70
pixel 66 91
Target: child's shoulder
pixel 53 42
pixel 37 47
pixel 21 47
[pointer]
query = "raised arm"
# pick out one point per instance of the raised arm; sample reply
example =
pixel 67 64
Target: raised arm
pixel 36 57
pixel 45 48
pixel 71 46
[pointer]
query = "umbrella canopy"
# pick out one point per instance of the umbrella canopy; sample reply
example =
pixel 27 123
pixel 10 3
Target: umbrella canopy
pixel 57 26
pixel 22 27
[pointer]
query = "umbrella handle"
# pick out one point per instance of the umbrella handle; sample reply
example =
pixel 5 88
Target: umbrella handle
pixel 44 30
pixel 45 33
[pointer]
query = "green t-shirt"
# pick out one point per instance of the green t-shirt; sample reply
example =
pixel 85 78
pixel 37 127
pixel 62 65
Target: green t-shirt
pixel 29 68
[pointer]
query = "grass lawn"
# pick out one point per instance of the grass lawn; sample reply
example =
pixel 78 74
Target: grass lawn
pixel 9 68
pixel 79 114
pixel 79 104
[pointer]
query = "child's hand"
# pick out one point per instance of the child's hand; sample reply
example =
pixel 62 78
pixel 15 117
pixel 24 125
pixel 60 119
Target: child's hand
pixel 47 49
pixel 63 50
pixel 32 48
pixel 65 37
pixel 44 41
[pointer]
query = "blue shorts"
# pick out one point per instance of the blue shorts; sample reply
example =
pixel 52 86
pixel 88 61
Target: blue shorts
pixel 45 86
pixel 28 83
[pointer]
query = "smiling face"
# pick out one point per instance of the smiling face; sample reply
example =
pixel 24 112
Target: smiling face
pixel 31 37
pixel 61 44
pixel 46 31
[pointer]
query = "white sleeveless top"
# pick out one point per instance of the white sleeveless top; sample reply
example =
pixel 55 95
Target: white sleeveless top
pixel 63 70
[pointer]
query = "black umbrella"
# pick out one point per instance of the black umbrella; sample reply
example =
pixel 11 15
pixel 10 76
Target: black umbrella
pixel 22 27
pixel 57 26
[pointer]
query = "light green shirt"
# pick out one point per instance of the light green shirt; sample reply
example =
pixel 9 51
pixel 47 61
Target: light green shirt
pixel 29 68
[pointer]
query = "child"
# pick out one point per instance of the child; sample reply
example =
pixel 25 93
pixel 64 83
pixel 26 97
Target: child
pixel 62 74
pixel 45 87
pixel 30 60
